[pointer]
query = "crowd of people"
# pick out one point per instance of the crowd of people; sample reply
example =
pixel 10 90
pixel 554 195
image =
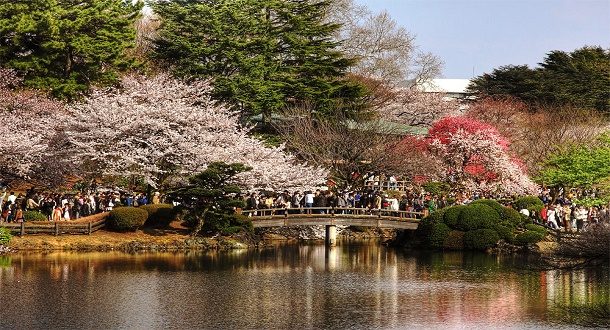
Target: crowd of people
pixel 420 203
pixel 65 207
pixel 563 213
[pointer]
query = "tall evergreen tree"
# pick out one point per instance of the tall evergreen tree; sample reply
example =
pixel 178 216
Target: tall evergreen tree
pixel 580 78
pixel 262 54
pixel 67 45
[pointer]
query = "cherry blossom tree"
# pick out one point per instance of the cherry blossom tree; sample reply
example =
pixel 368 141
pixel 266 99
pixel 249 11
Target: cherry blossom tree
pixel 160 129
pixel 475 157
pixel 29 119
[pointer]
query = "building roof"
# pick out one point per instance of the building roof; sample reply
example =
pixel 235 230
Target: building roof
pixel 457 86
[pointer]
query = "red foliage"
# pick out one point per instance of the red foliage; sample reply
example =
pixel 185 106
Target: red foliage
pixel 444 128
pixel 413 142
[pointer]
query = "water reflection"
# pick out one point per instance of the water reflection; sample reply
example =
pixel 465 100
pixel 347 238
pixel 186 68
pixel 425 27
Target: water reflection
pixel 291 286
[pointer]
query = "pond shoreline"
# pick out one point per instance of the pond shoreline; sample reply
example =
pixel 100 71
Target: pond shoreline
pixel 176 238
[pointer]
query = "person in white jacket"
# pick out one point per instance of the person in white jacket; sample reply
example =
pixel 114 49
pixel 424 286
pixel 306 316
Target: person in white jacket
pixel 552 221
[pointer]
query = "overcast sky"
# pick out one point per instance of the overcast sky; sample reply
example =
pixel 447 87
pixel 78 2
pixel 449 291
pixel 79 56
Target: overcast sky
pixel 485 34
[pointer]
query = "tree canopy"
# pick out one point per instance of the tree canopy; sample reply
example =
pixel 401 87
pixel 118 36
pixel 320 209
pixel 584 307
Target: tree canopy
pixel 67 45
pixel 582 165
pixel 580 78
pixel 210 198
pixel 263 55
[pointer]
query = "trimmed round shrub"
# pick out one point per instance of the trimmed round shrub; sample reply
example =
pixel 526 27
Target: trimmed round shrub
pixel 425 225
pixel 452 215
pixel 454 240
pixel 159 215
pixel 505 233
pixel 477 216
pixel 5 236
pixel 438 234
pixel 34 216
pixel 511 218
pixel 529 237
pixel 491 203
pixel 480 239
pixel 535 228
pixel 126 218
pixel 530 203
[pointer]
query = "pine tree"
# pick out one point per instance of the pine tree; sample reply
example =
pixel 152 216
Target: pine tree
pixel 263 55
pixel 210 198
pixel 67 45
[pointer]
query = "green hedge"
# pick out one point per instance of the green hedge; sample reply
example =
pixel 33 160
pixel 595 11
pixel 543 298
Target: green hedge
pixel 491 203
pixel 535 228
pixel 529 237
pixel 452 215
pixel 480 239
pixel 505 233
pixel 34 216
pixel 477 216
pixel 476 226
pixel 425 225
pixel 454 240
pixel 511 218
pixel 530 203
pixel 5 236
pixel 126 218
pixel 438 234
pixel 159 215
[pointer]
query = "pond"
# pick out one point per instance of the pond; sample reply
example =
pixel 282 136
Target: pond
pixel 298 286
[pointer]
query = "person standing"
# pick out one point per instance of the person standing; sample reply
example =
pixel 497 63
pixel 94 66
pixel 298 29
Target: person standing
pixel 309 197
pixel 66 212
pixel 551 218
pixel 567 223
pixel 19 215
pixel 57 213
pixel 156 198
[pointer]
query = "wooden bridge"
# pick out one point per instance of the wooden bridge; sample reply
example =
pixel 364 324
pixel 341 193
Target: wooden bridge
pixel 332 217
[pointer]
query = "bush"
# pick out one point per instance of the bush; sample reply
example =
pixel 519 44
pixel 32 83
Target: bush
pixel 529 237
pixel 454 240
pixel 535 228
pixel 480 239
pixel 425 225
pixel 126 218
pixel 505 233
pixel 530 203
pixel 438 234
pixel 159 215
pixel 511 218
pixel 220 223
pixel 5 236
pixel 477 216
pixel 452 215
pixel 34 216
pixel 491 203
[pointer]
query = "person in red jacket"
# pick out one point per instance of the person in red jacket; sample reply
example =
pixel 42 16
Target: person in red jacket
pixel 543 214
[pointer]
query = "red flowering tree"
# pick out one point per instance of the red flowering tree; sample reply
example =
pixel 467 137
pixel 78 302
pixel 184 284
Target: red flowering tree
pixel 475 157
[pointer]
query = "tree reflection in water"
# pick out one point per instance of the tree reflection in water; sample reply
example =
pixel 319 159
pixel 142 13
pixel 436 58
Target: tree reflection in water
pixel 295 285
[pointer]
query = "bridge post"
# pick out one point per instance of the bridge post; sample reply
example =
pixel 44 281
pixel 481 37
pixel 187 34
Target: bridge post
pixel 331 235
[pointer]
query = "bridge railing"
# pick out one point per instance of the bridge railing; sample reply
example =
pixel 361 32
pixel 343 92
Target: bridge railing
pixel 344 212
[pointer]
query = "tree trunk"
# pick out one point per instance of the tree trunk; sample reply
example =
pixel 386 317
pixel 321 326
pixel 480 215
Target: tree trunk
pixel 200 222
